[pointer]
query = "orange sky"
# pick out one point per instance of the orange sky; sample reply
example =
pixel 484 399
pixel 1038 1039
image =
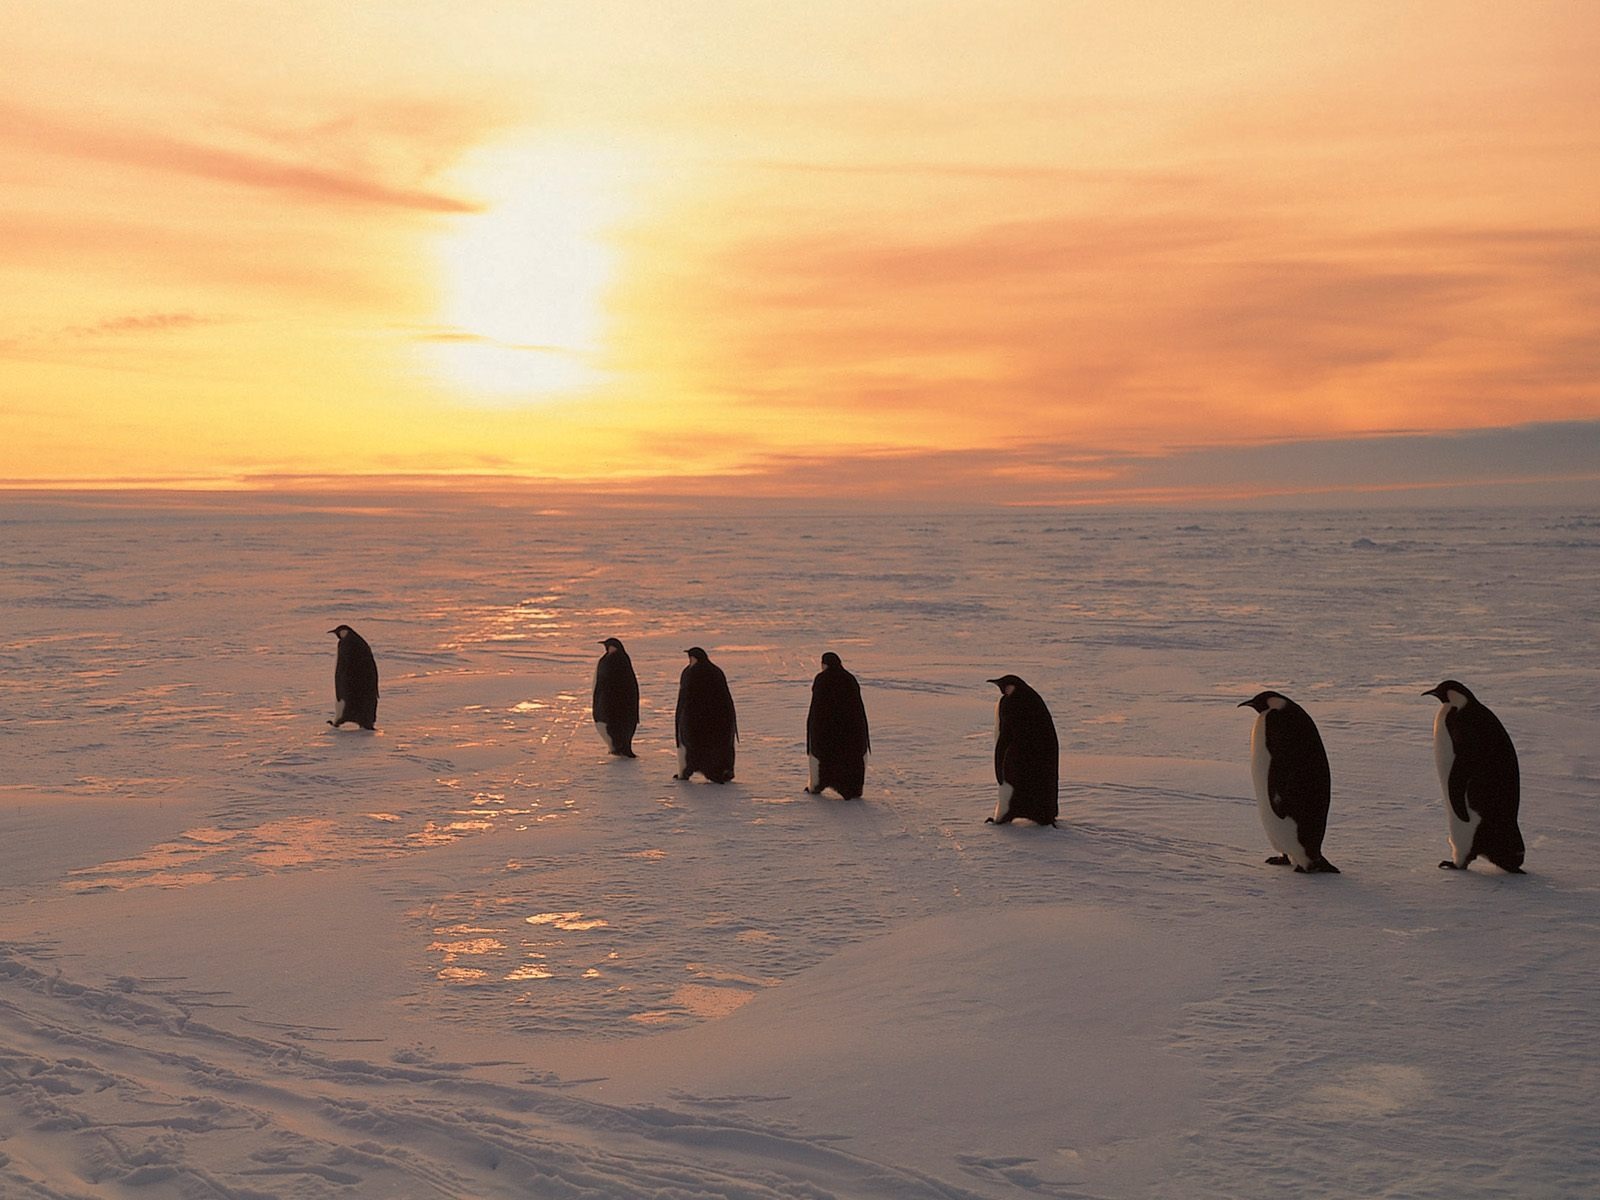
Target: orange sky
pixel 1038 248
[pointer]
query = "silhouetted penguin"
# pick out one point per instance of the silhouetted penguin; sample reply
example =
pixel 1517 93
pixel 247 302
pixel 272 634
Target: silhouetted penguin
pixel 1027 757
pixel 616 699
pixel 706 725
pixel 355 680
pixel 1482 785
pixel 1293 783
pixel 837 742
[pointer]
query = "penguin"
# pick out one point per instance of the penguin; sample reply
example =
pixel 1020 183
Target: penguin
pixel 706 726
pixel 355 680
pixel 616 699
pixel 1027 756
pixel 1482 784
pixel 837 742
pixel 1293 782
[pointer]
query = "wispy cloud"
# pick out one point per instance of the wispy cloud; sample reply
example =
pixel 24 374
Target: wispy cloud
pixel 109 331
pixel 1155 325
pixel 156 322
pixel 156 151
pixel 1556 459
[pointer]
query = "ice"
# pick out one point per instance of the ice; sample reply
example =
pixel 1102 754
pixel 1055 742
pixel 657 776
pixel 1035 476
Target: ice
pixel 245 955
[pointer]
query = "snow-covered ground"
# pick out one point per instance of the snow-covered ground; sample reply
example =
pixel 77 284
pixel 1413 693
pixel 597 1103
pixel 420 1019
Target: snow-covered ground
pixel 245 955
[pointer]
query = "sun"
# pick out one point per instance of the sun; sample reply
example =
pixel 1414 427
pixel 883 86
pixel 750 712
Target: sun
pixel 524 282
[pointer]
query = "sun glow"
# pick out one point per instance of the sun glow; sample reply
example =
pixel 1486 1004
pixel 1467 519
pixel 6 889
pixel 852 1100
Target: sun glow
pixel 524 282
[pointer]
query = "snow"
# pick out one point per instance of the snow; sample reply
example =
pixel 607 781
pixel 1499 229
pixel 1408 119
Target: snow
pixel 472 955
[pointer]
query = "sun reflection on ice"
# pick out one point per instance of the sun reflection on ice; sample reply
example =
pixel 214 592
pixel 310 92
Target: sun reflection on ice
pixel 570 921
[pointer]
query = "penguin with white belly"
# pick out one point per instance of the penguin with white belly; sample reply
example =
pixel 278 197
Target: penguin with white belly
pixel 1481 781
pixel 616 699
pixel 837 737
pixel 706 725
pixel 355 680
pixel 1292 780
pixel 1027 756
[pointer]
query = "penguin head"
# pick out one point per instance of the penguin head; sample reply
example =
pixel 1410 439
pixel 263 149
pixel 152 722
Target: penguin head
pixel 697 654
pixel 1265 700
pixel 830 659
pixel 1451 692
pixel 611 644
pixel 339 631
pixel 1007 683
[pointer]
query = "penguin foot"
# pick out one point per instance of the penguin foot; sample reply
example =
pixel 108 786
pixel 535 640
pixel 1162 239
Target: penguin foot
pixel 1323 867
pixel 988 820
pixel 1279 860
pixel 1448 865
pixel 681 778
pixel 812 791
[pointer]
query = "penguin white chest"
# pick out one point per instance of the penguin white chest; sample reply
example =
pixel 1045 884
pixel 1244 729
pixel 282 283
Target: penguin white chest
pixel 1002 804
pixel 1462 832
pixel 1283 835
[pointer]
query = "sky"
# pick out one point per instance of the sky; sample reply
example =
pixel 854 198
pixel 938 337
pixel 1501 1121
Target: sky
pixel 881 251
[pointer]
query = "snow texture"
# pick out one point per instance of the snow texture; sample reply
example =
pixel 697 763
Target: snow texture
pixel 244 955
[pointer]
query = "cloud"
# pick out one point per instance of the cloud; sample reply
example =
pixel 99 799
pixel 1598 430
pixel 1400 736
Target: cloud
pixel 1001 173
pixel 148 150
pixel 44 344
pixel 462 337
pixel 1149 327
pixel 157 322
pixel 1545 461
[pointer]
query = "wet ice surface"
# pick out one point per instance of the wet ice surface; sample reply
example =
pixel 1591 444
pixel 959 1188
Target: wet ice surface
pixel 168 672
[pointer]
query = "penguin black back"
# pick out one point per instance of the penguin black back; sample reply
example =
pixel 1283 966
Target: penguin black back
pixel 1294 784
pixel 1027 755
pixel 706 726
pixel 837 737
pixel 355 680
pixel 616 699
pixel 1481 780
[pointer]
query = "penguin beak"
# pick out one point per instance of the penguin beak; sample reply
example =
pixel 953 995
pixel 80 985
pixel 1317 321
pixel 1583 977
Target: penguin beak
pixel 1434 692
pixel 996 682
pixel 333 631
